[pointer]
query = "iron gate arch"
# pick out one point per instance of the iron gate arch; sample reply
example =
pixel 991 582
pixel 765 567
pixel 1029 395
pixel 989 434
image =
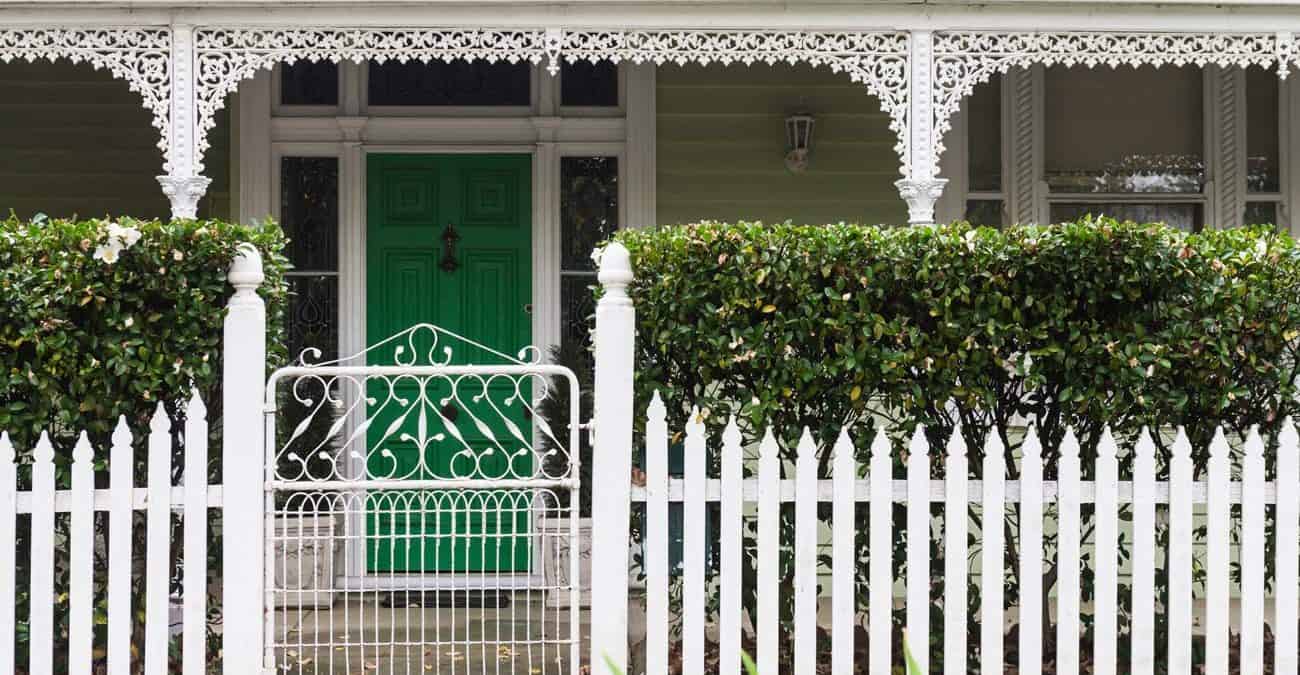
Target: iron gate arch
pixel 404 507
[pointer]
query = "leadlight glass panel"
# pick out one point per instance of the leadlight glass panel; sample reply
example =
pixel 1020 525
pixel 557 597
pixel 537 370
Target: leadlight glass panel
pixel 588 216
pixel 310 217
pixel 586 84
pixel 458 83
pixel 309 211
pixel 309 83
pixel 313 314
pixel 588 207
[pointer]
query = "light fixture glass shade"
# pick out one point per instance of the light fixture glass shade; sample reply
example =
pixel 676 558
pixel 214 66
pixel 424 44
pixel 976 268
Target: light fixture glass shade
pixel 798 139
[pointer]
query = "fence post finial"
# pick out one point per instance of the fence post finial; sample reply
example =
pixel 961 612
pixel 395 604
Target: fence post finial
pixel 612 458
pixel 243 465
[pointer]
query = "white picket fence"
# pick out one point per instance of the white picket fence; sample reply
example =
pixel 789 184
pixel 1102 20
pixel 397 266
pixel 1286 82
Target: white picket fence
pixel 1185 505
pixel 844 489
pixel 159 500
pixel 239 496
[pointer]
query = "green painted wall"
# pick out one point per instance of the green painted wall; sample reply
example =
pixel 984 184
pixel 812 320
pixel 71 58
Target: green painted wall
pixel 75 141
pixel 721 142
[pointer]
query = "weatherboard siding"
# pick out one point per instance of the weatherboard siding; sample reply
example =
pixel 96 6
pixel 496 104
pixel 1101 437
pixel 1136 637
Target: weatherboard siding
pixel 721 143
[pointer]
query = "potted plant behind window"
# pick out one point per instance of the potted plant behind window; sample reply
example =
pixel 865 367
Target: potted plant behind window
pixel 554 524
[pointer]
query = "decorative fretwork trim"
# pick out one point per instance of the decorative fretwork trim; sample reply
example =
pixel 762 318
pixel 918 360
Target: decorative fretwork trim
pixel 140 56
pixel 965 59
pixel 226 56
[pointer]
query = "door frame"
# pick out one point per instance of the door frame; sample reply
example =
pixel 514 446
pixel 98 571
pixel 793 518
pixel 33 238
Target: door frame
pixel 349 132
pixel 545 220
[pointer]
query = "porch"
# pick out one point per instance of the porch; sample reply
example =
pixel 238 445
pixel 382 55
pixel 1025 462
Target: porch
pixel 313 116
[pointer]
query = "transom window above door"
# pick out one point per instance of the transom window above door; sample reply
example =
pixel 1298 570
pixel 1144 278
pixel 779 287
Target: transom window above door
pixel 314 87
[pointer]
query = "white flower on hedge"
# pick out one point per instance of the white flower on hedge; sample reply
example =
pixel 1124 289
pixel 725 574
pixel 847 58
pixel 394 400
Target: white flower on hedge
pixel 130 321
pixel 109 252
pixel 128 234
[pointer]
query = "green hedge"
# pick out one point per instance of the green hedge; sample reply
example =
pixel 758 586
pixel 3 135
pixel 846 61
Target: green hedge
pixel 1085 323
pixel 90 330
pixel 1082 324
pixel 104 318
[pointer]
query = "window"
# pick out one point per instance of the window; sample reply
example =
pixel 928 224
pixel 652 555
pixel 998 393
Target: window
pixel 458 83
pixel 984 195
pixel 1263 154
pixel 588 216
pixel 309 83
pixel 309 214
pixel 1126 143
pixel 586 84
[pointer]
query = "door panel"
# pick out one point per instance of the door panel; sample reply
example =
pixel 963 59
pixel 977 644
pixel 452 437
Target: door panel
pixel 477 286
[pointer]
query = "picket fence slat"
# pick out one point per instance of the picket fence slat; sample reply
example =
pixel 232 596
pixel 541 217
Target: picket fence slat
pixel 1106 529
pixel 805 556
pixel 1067 604
pixel 195 590
pixel 1217 543
pixel 1180 555
pixel 918 548
pixel 121 479
pixel 731 552
pixel 1287 552
pixel 42 560
pixel 693 548
pixel 992 513
pixel 1252 556
pixel 8 553
pixel 656 538
pixel 880 550
pixel 843 556
pixel 81 570
pixel 1031 554
pixel 769 534
pixel 1144 555
pixel 955 530
pixel 157 543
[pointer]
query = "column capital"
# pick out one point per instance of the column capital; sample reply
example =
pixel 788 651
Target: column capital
pixel 920 195
pixel 184 193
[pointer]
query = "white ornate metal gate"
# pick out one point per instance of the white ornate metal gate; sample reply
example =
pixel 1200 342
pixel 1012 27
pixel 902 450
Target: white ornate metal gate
pixel 421 497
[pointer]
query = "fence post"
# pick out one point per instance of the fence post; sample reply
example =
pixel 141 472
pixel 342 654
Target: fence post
pixel 243 468
pixel 612 461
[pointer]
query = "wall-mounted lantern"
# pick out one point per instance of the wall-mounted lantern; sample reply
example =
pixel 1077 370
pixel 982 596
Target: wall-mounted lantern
pixel 798 140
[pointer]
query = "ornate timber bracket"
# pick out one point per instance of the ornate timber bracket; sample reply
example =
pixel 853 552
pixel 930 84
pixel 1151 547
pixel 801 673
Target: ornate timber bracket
pixel 226 56
pixel 141 56
pixel 967 58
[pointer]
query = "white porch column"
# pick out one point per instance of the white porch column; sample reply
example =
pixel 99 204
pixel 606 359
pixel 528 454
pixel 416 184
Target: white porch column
pixel 182 184
pixel 922 187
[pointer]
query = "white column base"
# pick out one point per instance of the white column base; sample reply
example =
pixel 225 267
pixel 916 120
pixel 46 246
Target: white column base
pixel 184 193
pixel 920 195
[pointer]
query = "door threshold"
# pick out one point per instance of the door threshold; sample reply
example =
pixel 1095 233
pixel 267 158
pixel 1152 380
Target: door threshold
pixel 445 581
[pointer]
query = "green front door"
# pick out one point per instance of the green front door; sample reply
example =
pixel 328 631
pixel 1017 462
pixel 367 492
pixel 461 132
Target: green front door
pixel 448 242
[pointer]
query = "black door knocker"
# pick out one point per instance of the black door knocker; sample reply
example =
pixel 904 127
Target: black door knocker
pixel 449 238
